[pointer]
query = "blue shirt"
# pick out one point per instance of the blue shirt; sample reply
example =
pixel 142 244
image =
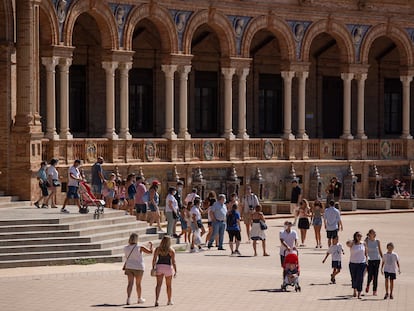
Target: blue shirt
pixel 219 210
pixel 235 216
pixel 332 218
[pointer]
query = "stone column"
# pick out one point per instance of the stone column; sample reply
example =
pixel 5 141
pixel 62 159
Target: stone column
pixel 64 64
pixel 361 106
pixel 406 82
pixel 347 78
pixel 228 101
pixel 110 68
pixel 302 76
pixel 124 100
pixel 169 71
pixel 50 64
pixel 287 117
pixel 242 73
pixel 183 131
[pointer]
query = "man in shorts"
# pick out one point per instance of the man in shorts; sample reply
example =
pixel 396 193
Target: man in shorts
pixel 74 178
pixel 288 241
pixel 332 221
pixel 97 178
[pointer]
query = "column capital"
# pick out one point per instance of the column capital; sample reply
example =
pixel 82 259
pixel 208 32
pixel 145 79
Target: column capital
pixel 169 70
pixel 125 66
pixel 242 73
pixel 184 69
pixel 361 77
pixel 65 63
pixel 406 79
pixel 109 66
pixel 302 74
pixel 228 72
pixel 287 75
pixel 347 76
pixel 50 62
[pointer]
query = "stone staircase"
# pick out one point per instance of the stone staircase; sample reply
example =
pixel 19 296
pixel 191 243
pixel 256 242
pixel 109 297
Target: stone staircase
pixel 10 201
pixel 69 239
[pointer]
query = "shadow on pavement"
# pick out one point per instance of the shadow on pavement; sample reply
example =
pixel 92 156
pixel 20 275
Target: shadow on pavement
pixel 269 290
pixel 347 297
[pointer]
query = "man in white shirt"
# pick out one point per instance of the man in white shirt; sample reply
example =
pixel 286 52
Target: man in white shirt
pixel 288 241
pixel 73 185
pixel 250 201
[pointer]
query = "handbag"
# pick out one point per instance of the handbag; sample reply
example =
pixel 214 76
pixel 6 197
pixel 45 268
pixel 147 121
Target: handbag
pixel 153 272
pixel 263 225
pixel 124 267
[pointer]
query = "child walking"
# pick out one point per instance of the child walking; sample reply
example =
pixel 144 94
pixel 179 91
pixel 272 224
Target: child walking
pixel 336 251
pixel 390 263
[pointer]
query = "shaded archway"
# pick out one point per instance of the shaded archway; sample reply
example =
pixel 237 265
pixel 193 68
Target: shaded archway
pixel 266 84
pixel 160 19
pixel 218 24
pixel 103 17
pixel 146 81
pixel 87 91
pixel 324 103
pixel 383 89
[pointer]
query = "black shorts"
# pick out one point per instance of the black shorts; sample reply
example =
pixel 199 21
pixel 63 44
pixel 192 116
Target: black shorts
pixel 390 275
pixel 303 223
pixel 331 234
pixel 45 191
pixel 336 264
pixel 141 208
pixel 234 234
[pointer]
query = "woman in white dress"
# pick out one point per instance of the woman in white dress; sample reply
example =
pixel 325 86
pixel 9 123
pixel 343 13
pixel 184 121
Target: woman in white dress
pixel 257 233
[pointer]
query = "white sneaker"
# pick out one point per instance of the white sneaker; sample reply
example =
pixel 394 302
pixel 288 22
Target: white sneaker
pixel 141 300
pixel 170 303
pixel 128 302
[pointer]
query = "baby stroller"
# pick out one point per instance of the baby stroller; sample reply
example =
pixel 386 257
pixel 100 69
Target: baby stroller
pixel 291 271
pixel 88 199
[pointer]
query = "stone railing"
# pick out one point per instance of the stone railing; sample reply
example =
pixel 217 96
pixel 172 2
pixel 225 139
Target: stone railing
pixel 220 149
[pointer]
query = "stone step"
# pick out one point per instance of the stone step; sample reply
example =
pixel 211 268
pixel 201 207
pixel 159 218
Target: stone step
pixel 129 227
pixel 15 204
pixel 45 241
pixel 55 254
pixel 60 261
pixel 8 199
pixel 38 234
pixel 48 248
pixel 33 228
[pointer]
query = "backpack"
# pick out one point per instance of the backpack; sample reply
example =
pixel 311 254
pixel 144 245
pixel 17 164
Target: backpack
pixel 146 196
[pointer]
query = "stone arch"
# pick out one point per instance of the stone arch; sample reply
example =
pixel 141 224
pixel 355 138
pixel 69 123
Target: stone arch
pixel 103 16
pixel 275 25
pixel 6 20
pixel 161 18
pixel 53 30
pixel 338 31
pixel 397 35
pixel 219 23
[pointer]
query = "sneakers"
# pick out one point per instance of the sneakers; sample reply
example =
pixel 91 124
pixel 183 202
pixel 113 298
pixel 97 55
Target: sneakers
pixel 237 252
pixel 128 302
pixel 64 210
pixel 333 279
pixel 391 297
pixel 156 304
pixel 374 293
pixel 170 303
pixel 221 249
pixel 44 206
pixel 192 250
pixel 36 204
pixel 141 300
pixel 386 296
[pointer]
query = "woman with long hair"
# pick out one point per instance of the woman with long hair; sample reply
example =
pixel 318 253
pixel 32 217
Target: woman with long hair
pixel 374 260
pixel 164 263
pixel 316 219
pixel 303 214
pixel 134 265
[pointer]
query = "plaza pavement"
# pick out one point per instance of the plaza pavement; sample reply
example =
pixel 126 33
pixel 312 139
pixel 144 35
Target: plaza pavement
pixel 212 280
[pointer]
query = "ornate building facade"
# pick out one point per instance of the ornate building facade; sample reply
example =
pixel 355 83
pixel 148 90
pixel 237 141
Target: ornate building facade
pixel 216 85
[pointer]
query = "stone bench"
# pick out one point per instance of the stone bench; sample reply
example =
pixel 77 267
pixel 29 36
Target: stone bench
pixel 373 204
pixel 283 207
pixel 348 205
pixel 269 208
pixel 402 203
